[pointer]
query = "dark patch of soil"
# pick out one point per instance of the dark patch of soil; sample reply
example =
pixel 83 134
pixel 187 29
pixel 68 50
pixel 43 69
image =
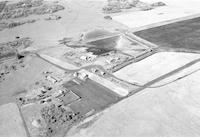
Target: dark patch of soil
pixel 98 51
pixel 183 35
pixel 102 46
pixel 94 96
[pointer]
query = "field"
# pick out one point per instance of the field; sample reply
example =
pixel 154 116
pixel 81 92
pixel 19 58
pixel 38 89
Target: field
pixel 11 121
pixel 120 91
pixel 174 9
pixel 92 96
pixel 155 66
pixel 168 111
pixel 180 35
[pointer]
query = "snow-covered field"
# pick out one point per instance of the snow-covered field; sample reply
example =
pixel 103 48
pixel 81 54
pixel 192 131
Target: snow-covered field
pixel 154 66
pixel 174 9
